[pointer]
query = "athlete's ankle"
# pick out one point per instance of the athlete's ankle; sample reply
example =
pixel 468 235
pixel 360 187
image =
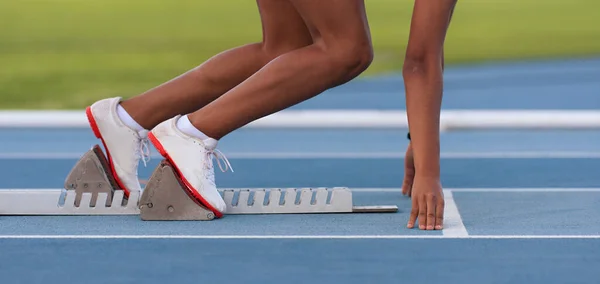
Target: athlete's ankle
pixel 185 126
pixel 128 120
pixel 215 129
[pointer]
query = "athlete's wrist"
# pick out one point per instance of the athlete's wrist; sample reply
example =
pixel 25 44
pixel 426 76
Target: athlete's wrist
pixel 428 167
pixel 427 161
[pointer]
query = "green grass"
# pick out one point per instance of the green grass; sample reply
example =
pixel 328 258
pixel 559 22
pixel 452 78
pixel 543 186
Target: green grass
pixel 69 53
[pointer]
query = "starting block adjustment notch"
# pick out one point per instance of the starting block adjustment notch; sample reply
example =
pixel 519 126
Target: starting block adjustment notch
pixel 288 201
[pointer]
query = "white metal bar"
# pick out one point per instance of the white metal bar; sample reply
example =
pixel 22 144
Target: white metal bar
pixel 340 201
pixel 61 202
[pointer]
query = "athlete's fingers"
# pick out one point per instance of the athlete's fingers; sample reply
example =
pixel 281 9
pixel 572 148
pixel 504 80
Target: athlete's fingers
pixel 422 211
pixel 409 176
pixel 409 172
pixel 431 207
pixel 439 213
pixel 413 213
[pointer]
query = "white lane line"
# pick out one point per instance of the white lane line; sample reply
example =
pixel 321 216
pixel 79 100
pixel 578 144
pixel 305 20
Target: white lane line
pixel 453 223
pixel 557 189
pixel 483 190
pixel 298 237
pixel 399 190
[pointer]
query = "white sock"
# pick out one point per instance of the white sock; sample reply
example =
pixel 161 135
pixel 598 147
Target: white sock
pixel 186 127
pixel 128 120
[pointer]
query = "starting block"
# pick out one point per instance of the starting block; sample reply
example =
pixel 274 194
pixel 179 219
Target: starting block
pixel 166 198
pixel 91 189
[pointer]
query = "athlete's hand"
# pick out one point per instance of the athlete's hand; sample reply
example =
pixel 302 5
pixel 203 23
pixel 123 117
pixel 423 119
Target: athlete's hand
pixel 409 171
pixel 427 203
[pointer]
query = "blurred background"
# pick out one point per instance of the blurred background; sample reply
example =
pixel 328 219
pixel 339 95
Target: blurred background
pixel 66 54
pixel 522 158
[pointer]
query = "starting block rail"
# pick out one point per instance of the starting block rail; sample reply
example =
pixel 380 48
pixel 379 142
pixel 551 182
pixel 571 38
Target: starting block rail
pixel 90 189
pixel 39 202
pixel 23 202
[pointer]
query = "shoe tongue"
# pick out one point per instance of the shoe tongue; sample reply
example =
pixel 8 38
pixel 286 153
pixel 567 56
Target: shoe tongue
pixel 143 133
pixel 210 143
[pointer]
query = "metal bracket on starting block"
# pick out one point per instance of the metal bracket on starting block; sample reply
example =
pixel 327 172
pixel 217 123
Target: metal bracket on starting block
pixel 91 189
pixel 92 174
pixel 165 198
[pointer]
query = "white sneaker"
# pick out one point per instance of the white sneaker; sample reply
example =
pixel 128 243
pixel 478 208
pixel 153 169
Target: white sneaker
pixel 124 146
pixel 192 159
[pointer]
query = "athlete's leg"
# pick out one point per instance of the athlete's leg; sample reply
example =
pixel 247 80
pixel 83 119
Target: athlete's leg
pixel 423 78
pixel 283 31
pixel 341 51
pixel 123 128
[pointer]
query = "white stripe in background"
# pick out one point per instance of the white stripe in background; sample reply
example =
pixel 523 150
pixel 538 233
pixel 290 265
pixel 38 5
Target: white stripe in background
pixel 355 119
pixel 339 155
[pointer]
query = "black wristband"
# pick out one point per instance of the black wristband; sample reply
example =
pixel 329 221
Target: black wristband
pixel 408 135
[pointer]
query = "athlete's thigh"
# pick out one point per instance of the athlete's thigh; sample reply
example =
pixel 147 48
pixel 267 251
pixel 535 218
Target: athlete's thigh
pixel 335 20
pixel 283 27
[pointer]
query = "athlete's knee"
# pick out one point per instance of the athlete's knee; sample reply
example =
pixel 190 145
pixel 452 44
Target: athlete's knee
pixel 356 58
pixel 349 60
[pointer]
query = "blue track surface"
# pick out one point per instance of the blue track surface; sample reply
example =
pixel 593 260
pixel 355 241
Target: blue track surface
pixel 302 261
pixel 529 200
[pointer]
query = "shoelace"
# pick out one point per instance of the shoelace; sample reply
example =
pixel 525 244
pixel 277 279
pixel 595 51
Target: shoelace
pixel 208 164
pixel 219 156
pixel 144 149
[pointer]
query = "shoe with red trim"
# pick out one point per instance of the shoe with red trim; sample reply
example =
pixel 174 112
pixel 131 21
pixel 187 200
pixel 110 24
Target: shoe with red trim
pixel 124 146
pixel 192 159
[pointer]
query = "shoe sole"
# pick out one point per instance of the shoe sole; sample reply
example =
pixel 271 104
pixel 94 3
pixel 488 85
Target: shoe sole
pixel 188 185
pixel 96 130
